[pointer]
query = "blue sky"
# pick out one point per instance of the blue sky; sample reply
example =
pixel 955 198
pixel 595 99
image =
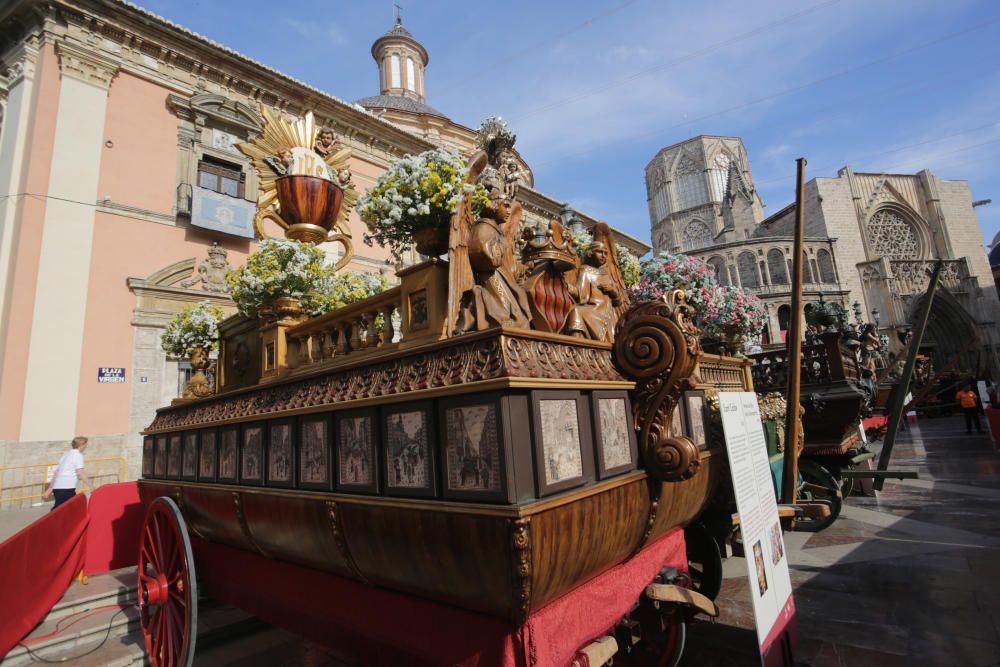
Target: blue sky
pixel 594 89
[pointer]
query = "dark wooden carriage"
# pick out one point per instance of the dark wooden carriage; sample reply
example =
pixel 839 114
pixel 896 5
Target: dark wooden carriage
pixel 473 454
pixel 270 474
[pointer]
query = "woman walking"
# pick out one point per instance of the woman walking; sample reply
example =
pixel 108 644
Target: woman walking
pixel 70 469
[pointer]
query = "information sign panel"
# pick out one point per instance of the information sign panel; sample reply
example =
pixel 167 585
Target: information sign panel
pixel 763 543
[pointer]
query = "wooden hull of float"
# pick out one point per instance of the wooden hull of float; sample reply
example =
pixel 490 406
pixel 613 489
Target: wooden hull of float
pixel 534 528
pixel 501 561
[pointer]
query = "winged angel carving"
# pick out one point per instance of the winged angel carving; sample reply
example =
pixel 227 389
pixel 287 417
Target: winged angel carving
pixel 483 289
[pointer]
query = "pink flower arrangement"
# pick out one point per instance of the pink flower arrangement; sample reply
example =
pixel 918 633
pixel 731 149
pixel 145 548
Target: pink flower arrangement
pixel 722 312
pixel 733 312
pixel 666 273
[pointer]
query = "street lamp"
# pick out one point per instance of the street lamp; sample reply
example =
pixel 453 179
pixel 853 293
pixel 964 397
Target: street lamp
pixel 875 314
pixel 857 311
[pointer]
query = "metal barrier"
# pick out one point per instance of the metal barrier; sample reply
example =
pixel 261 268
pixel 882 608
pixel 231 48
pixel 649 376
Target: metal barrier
pixel 22 486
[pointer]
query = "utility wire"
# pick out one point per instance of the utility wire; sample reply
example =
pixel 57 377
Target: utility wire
pixel 787 91
pixel 677 61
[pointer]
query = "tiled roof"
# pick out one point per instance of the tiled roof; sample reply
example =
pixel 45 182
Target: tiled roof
pixel 399 103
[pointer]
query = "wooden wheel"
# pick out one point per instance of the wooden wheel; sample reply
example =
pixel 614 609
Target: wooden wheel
pixel 168 591
pixel 817 484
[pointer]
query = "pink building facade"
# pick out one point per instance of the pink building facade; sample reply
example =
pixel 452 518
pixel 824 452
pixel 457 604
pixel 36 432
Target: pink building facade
pixel 122 199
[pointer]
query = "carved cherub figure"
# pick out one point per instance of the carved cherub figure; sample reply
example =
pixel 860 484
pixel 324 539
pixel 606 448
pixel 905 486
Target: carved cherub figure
pixel 326 143
pixel 509 173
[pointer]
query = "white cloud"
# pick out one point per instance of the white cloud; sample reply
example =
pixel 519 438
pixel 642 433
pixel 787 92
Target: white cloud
pixel 325 33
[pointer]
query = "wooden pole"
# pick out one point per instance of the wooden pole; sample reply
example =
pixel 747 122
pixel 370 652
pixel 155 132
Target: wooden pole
pixel 792 424
pixel 898 403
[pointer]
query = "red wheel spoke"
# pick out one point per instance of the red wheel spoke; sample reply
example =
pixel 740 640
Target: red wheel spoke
pixel 179 598
pixel 154 559
pixel 147 559
pixel 158 638
pixel 174 557
pixel 167 639
pixel 158 543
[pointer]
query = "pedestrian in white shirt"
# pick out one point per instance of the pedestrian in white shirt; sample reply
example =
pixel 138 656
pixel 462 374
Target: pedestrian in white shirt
pixel 70 469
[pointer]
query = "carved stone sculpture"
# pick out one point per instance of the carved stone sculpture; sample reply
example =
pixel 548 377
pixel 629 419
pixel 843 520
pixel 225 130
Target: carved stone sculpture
pixel 212 271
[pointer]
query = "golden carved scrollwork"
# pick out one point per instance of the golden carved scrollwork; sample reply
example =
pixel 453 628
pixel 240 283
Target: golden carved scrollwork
pixel 774 407
pixel 520 536
pixel 244 526
pixel 339 539
pixel 656 345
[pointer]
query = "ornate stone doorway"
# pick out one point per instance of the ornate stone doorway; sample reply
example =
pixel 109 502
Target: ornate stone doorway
pixel 951 333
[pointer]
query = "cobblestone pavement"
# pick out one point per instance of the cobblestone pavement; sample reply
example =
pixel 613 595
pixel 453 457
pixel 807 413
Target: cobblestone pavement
pixel 911 577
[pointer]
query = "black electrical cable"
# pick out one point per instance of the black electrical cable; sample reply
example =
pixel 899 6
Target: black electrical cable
pixel 107 635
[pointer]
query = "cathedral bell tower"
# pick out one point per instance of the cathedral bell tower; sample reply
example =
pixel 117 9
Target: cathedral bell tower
pixel 401 62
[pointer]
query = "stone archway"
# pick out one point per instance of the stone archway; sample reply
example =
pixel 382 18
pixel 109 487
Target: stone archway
pixel 951 332
pixel 155 377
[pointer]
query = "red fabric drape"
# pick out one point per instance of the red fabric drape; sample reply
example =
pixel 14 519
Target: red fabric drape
pixel 37 564
pixel 116 518
pixel 381 627
pixel 874 422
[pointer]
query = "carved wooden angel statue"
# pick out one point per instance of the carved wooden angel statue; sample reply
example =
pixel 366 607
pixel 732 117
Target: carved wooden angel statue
pixel 599 290
pixel 483 290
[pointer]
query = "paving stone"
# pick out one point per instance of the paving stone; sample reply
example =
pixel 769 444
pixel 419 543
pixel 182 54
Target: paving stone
pixel 910 577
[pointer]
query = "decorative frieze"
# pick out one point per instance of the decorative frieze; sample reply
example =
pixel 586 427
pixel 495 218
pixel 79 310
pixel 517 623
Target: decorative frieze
pixel 87 66
pixel 492 357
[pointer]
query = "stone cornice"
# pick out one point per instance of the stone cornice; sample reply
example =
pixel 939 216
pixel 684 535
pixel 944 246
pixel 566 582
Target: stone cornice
pixel 20 63
pixel 87 66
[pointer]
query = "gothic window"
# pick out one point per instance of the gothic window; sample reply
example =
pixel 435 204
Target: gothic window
pixel 776 267
pixel 784 317
pixel 806 273
pixel 721 274
pixel 690 185
pixel 697 235
pixel 893 237
pixel 826 273
pixel 747 266
pixel 720 176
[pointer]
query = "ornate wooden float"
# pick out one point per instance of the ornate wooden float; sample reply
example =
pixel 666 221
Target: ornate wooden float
pixel 521 430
